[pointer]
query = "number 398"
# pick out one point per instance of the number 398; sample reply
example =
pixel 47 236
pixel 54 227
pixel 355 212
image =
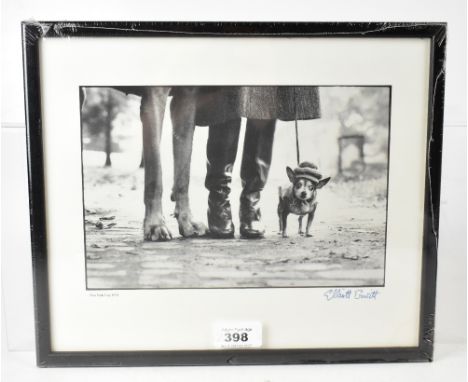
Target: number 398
pixel 236 337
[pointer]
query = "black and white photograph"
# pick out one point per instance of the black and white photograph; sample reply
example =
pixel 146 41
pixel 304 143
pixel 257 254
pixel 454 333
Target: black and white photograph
pixel 233 193
pixel 235 186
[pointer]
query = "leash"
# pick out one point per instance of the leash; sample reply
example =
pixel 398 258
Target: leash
pixel 297 142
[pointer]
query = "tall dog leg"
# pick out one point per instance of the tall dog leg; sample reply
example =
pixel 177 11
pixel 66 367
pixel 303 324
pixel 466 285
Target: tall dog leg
pixel 153 104
pixel 183 124
pixel 310 219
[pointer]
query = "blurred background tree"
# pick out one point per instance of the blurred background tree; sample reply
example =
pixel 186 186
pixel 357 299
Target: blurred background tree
pixel 100 111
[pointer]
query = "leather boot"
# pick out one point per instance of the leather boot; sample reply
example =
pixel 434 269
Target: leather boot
pixel 256 161
pixel 219 214
pixel 251 226
pixel 221 153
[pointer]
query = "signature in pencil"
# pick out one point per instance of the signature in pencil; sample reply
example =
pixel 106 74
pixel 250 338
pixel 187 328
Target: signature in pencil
pixel 351 294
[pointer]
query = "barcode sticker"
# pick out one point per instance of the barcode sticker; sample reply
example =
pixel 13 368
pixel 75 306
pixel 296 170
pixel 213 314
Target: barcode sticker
pixel 229 335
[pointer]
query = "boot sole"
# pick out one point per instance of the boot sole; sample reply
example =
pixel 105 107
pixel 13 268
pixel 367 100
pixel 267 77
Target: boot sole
pixel 220 235
pixel 259 235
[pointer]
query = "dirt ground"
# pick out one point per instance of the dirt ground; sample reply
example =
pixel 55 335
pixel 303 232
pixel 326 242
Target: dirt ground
pixel 347 247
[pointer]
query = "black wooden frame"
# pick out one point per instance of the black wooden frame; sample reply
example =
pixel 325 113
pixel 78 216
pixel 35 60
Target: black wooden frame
pixel 33 32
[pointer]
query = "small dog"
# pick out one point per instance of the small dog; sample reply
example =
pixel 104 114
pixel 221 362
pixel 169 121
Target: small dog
pixel 300 198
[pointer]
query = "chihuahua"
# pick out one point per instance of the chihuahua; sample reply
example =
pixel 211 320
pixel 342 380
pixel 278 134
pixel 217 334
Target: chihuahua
pixel 300 197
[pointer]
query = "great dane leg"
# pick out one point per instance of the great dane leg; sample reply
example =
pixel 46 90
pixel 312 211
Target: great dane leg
pixel 153 104
pixel 183 126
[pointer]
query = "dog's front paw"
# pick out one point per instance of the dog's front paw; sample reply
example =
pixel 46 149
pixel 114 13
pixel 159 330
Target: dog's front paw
pixel 308 234
pixel 190 228
pixel 301 233
pixel 156 230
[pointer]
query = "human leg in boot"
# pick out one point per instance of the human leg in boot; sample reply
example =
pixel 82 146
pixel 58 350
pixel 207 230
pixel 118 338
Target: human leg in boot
pixel 221 152
pixel 256 161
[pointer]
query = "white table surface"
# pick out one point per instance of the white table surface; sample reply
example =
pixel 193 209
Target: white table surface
pixel 449 365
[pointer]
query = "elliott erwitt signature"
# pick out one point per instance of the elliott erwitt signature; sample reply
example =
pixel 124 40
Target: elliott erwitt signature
pixel 351 294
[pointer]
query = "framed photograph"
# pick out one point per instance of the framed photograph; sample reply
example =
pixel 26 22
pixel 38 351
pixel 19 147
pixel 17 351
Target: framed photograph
pixel 233 193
